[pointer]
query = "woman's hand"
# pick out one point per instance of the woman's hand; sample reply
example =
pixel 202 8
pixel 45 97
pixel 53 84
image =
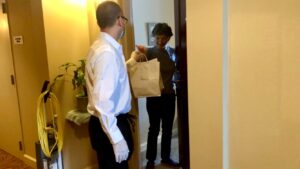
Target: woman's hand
pixel 141 48
pixel 137 55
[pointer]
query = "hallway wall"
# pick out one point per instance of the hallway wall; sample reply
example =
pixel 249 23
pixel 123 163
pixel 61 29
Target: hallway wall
pixel 264 84
pixel 67 37
pixel 264 112
pixel 204 64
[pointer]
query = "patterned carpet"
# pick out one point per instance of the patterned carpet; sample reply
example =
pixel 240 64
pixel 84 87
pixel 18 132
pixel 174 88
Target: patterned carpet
pixel 8 161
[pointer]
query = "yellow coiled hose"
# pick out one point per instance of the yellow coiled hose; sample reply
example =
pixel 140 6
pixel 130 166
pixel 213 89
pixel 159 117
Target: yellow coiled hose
pixel 43 129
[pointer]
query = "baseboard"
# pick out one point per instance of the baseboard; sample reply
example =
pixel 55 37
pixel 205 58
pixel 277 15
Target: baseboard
pixel 31 161
pixel 92 167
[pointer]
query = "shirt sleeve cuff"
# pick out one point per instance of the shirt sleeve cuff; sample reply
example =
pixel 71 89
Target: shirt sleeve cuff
pixel 115 136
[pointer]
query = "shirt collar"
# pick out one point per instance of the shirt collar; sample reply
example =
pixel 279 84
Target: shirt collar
pixel 111 40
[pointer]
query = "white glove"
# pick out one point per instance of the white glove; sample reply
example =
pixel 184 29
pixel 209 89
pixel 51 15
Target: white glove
pixel 121 151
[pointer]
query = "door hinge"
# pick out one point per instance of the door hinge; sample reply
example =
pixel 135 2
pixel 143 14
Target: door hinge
pixel 20 146
pixel 12 79
pixel 4 9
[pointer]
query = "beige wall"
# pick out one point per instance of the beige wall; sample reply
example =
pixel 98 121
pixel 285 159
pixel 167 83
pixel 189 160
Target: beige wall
pixel 68 39
pixel 264 84
pixel 204 56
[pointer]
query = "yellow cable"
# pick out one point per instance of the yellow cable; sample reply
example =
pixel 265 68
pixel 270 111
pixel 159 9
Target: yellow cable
pixel 56 129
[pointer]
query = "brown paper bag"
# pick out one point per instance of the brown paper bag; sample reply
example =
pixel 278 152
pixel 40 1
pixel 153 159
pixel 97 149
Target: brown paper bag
pixel 145 79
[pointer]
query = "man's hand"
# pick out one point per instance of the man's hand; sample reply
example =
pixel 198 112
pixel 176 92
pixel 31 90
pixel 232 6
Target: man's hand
pixel 121 151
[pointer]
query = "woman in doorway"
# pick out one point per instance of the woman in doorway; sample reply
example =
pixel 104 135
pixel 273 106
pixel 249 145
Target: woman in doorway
pixel 161 109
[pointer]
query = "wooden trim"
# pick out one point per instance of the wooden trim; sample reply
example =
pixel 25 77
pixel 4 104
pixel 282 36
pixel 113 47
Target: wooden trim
pixel 182 91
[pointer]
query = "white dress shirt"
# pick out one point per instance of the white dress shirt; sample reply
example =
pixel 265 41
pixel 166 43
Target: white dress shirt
pixel 107 84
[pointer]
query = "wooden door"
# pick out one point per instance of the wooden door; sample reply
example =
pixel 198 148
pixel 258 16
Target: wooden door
pixel 10 124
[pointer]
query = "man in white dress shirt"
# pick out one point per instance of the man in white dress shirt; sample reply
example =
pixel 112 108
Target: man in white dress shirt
pixel 109 91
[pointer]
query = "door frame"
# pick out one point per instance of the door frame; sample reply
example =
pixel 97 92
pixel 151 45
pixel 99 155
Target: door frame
pixel 182 90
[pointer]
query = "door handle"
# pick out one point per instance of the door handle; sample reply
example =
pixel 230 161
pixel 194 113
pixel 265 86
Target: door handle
pixel 12 79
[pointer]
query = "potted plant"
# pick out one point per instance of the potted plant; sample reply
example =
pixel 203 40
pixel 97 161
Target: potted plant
pixel 78 81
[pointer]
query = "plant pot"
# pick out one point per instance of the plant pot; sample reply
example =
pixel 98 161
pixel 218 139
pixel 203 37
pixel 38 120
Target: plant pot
pixel 81 104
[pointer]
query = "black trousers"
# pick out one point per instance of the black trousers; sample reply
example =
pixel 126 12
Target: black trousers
pixel 160 109
pixel 101 144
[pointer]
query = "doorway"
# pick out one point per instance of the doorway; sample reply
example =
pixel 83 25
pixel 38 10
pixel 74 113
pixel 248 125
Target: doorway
pixel 145 14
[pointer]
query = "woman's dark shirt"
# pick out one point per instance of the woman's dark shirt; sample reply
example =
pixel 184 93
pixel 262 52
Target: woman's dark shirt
pixel 167 67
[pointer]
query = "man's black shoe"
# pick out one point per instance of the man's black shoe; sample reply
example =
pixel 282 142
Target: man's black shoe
pixel 169 162
pixel 150 165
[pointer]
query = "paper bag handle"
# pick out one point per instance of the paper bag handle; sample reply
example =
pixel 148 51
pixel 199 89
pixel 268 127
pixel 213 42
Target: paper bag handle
pixel 144 56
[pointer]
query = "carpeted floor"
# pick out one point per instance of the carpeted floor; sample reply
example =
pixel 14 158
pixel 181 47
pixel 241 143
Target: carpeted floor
pixel 8 161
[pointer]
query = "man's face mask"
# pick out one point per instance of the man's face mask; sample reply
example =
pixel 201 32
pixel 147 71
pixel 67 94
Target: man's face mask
pixel 124 20
pixel 122 33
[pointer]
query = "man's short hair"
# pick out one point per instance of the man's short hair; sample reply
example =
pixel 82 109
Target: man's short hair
pixel 107 13
pixel 162 29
